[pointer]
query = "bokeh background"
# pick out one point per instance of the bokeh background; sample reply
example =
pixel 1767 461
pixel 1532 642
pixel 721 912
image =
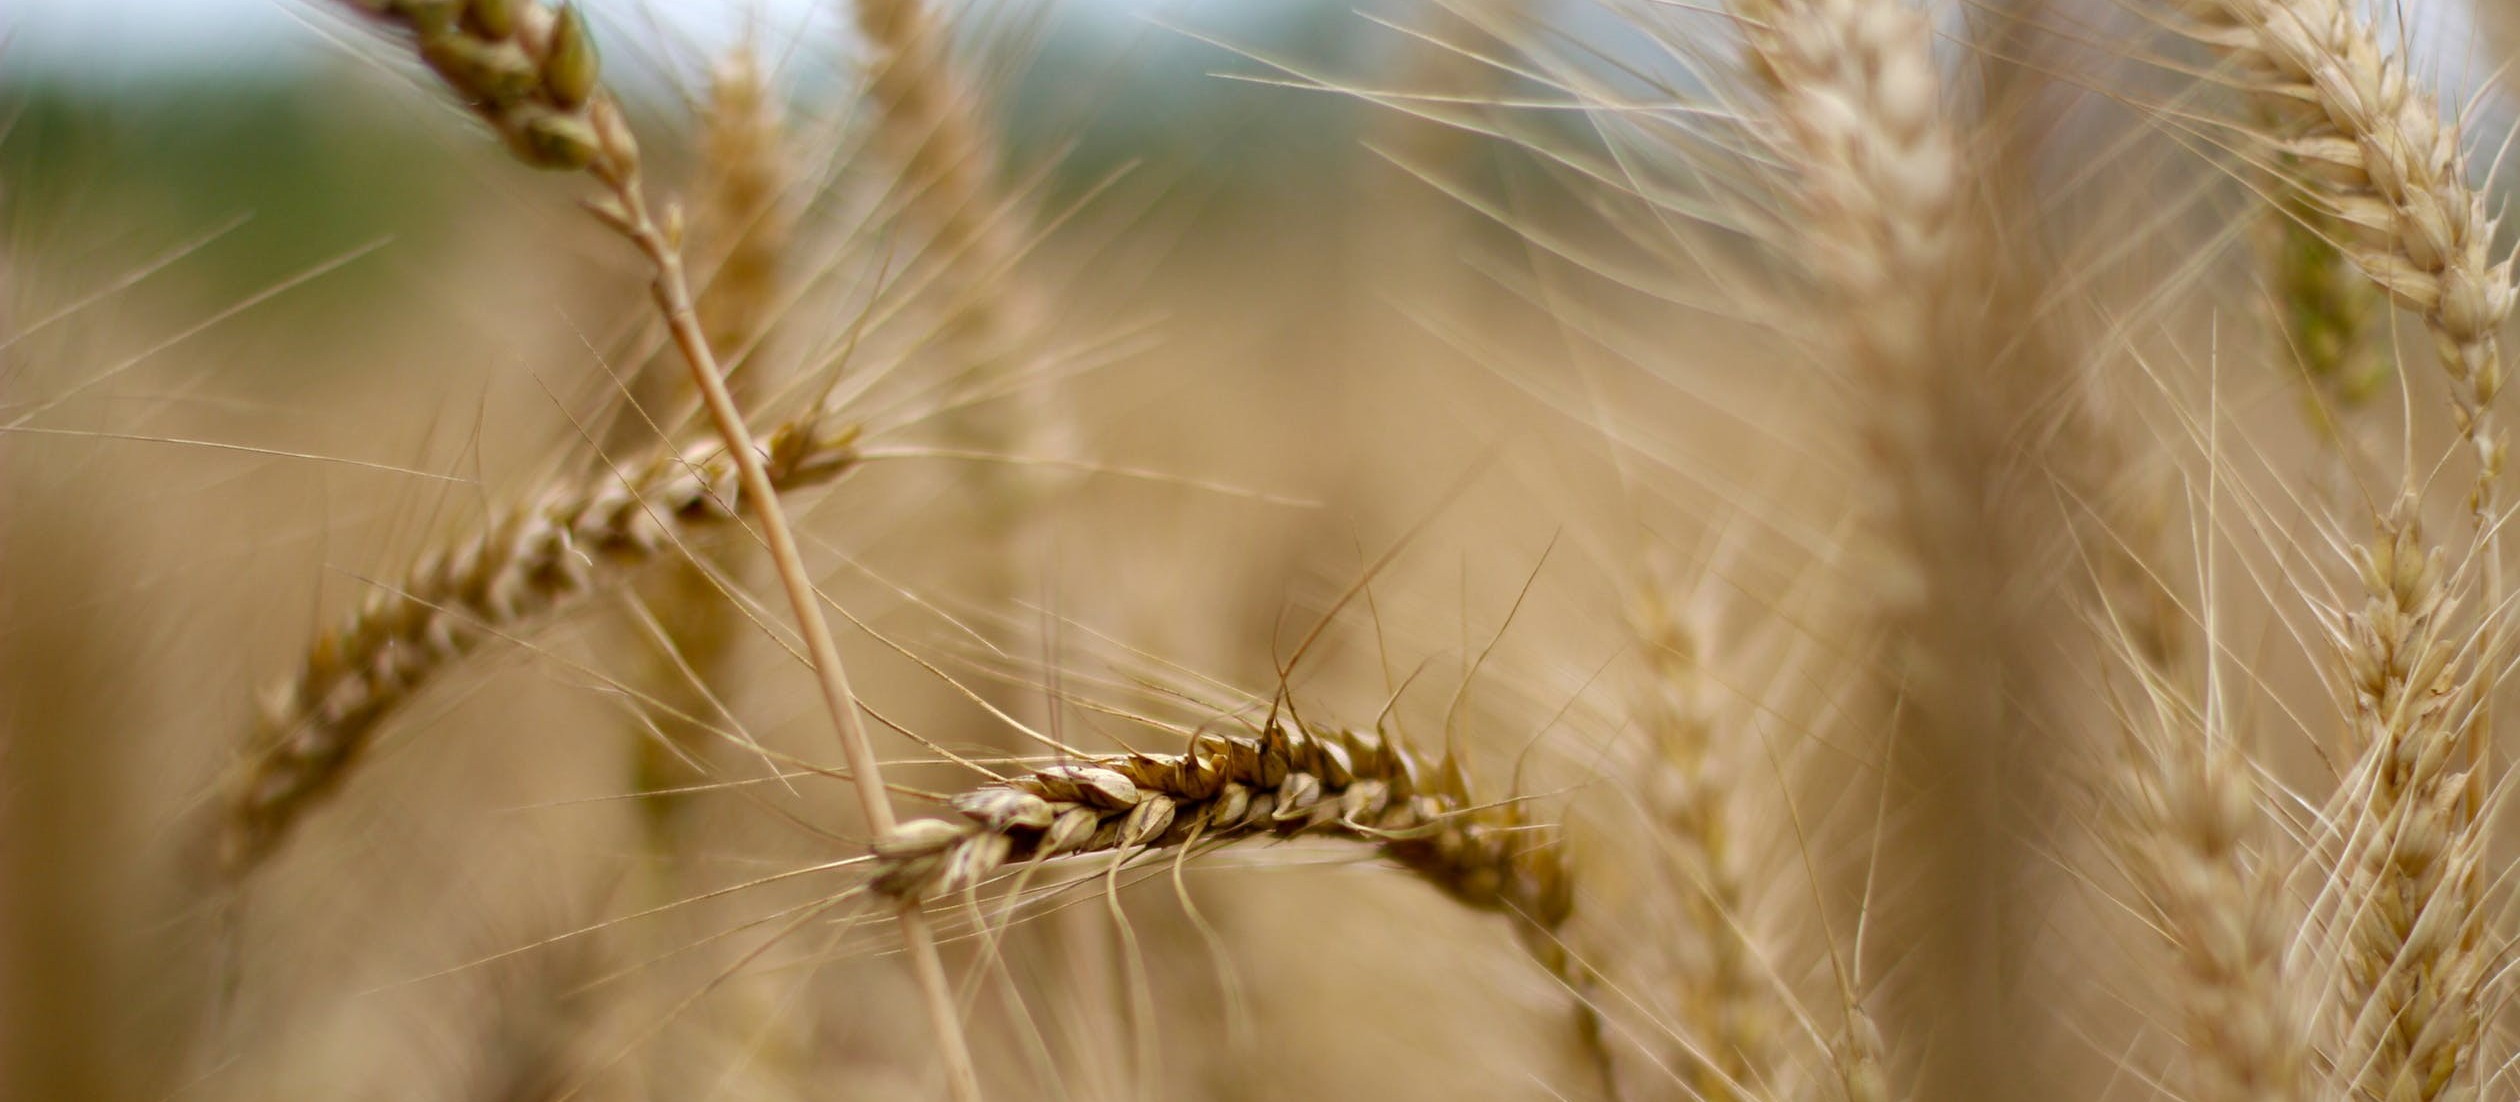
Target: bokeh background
pixel 1315 280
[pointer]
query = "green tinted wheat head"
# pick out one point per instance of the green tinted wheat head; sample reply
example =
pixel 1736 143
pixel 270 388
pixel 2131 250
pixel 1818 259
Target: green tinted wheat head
pixel 2329 312
pixel 525 68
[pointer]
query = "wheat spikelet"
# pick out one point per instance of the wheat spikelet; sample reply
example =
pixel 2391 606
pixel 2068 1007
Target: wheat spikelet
pixel 528 564
pixel 2376 154
pixel 2414 965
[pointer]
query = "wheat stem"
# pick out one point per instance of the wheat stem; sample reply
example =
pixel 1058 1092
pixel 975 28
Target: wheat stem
pixel 531 73
pixel 673 297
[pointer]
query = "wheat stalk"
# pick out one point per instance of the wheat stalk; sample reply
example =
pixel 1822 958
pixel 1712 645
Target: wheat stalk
pixel 530 71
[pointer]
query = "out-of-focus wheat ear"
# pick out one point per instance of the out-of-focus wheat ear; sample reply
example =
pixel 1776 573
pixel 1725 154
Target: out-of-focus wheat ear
pixel 2184 812
pixel 567 542
pixel 743 223
pixel 1882 223
pixel 2377 154
pixel 931 119
pixel 742 230
pixel 2410 918
pixel 2326 310
pixel 1730 1011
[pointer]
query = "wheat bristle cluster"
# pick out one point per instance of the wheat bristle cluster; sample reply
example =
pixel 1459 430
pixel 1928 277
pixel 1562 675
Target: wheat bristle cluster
pixel 2410 916
pixel 572 541
pixel 2376 153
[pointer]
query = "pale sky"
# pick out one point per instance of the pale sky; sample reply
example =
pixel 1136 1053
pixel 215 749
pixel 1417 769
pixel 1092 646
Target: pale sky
pixel 110 41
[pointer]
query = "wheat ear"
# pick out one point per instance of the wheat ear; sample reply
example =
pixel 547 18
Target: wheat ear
pixel 926 116
pixel 542 106
pixel 1729 1012
pixel 2411 915
pixel 524 566
pixel 2377 155
pixel 1278 779
pixel 1855 106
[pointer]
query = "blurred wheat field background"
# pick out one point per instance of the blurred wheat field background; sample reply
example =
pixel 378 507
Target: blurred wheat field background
pixel 1790 549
